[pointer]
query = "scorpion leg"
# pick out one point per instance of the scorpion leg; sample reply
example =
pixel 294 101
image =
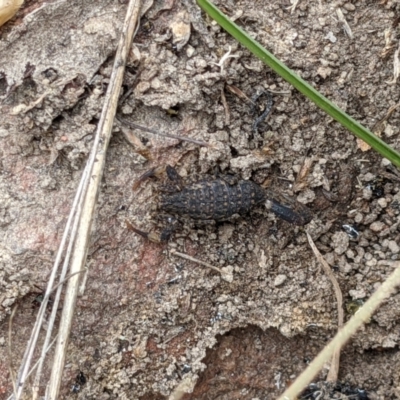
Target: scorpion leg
pixel 156 237
pixel 159 172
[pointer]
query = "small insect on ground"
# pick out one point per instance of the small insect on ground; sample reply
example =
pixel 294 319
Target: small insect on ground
pixel 217 198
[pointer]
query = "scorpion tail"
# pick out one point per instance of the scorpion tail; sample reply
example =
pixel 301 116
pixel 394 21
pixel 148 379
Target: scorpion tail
pixel 298 215
pixel 153 172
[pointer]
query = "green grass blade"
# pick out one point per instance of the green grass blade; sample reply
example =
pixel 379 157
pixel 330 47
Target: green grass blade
pixel 302 86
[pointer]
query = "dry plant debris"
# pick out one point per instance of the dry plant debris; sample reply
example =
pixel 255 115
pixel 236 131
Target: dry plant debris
pixel 8 8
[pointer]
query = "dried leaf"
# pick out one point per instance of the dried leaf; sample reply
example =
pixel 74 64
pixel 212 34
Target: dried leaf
pixel 302 175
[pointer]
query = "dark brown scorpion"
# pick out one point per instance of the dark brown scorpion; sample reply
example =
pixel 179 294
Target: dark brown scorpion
pixel 217 199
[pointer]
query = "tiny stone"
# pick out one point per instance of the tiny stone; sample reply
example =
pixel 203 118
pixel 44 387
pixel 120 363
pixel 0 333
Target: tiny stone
pixel 346 268
pixel 377 226
pixel 385 162
pixel 367 193
pixel 381 255
pixel 349 7
pixel 350 254
pixel 369 177
pixel 358 218
pixel 155 83
pixel 190 51
pixel 279 280
pixel 393 246
pixel 331 37
pixel 368 256
pixel 340 242
pixel 200 63
pixel 330 258
pixel 360 251
pixel 372 262
pixel 357 294
pixel 8 302
pixel 382 202
pixel 370 218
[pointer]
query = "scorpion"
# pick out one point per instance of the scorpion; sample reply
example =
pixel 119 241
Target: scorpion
pixel 215 199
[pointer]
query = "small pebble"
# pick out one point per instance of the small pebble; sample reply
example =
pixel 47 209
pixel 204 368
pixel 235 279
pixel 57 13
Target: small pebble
pixel 393 246
pixel 369 177
pixel 367 193
pixel 372 262
pixel 190 51
pixel 331 37
pixel 340 242
pixel 358 218
pixel 279 280
pixel 357 294
pixel 349 7
pixel 382 202
pixel 350 254
pixel 370 218
pixel 377 226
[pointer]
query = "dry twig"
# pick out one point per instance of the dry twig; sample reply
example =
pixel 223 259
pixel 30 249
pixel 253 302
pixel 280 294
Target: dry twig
pixel 10 357
pixel 226 274
pixel 334 369
pixel 345 24
pixel 379 126
pixel 168 135
pixel 79 224
pixel 103 135
pixel 226 107
pixel 396 67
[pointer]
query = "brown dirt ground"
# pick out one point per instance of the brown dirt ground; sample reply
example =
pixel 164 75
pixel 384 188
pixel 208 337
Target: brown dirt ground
pixel 148 320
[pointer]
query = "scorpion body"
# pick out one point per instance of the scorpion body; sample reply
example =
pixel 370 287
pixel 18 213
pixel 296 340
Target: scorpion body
pixel 219 199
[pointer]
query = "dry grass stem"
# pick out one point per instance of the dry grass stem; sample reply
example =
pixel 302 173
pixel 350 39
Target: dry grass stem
pixel 98 153
pixel 389 43
pixel 185 386
pixel 71 233
pixel 300 182
pixel 83 206
pixel 168 135
pixel 344 23
pixel 334 369
pixel 226 275
pixel 10 357
pixel 292 8
pixel 136 143
pixel 37 363
pixel 363 315
pixel 226 107
pixel 380 125
pixel 237 92
pixel 396 67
